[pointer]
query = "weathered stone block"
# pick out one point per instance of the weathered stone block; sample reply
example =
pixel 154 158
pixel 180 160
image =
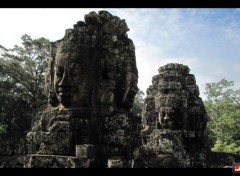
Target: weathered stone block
pixel 85 151
pixel 56 161
pixel 118 162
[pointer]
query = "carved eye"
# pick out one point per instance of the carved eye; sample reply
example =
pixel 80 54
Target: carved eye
pixel 59 71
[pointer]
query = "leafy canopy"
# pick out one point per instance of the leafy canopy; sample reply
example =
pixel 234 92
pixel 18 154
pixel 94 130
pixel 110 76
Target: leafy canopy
pixel 22 70
pixel 223 108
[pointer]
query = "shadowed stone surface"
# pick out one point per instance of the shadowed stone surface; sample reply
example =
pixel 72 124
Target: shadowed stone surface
pixel 221 160
pixel 174 124
pixel 53 161
pixel 91 84
pixel 119 162
pixel 174 120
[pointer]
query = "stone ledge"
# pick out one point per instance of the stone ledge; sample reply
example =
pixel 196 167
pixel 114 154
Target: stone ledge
pixel 56 161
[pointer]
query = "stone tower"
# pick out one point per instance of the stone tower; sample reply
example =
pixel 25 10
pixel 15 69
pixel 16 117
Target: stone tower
pixel 174 120
pixel 91 84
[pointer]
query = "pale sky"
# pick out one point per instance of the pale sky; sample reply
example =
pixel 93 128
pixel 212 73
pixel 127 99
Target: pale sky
pixel 205 39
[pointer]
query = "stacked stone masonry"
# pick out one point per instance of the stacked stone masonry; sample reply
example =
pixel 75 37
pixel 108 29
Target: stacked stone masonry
pixel 91 83
pixel 174 123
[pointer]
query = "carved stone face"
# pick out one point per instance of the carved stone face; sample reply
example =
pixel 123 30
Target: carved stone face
pixel 170 115
pixel 72 79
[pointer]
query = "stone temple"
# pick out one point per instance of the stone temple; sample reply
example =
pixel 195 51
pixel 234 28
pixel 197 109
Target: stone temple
pixel 174 120
pixel 174 123
pixel 91 84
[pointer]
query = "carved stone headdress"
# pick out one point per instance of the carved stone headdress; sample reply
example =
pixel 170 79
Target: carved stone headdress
pixel 100 35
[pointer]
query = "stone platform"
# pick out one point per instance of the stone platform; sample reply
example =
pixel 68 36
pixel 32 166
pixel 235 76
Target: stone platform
pixel 56 161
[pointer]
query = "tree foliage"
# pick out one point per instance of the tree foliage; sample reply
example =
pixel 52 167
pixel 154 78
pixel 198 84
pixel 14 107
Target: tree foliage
pixel 138 102
pixel 22 71
pixel 223 108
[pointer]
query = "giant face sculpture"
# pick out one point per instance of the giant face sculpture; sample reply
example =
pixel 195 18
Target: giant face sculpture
pixel 84 66
pixel 72 77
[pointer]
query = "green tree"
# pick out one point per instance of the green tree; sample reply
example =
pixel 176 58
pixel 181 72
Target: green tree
pixel 223 108
pixel 138 102
pixel 22 71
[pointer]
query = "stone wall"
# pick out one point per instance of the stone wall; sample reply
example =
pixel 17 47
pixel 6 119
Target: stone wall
pixel 221 160
pixel 12 153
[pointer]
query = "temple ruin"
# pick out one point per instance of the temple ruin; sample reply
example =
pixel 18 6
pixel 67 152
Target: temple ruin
pixel 91 84
pixel 174 120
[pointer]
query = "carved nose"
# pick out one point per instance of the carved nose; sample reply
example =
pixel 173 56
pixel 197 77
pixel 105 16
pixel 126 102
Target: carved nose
pixel 166 118
pixel 65 80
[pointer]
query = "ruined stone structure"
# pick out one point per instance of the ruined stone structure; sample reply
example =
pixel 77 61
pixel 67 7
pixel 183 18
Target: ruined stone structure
pixel 174 124
pixel 174 120
pixel 91 83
